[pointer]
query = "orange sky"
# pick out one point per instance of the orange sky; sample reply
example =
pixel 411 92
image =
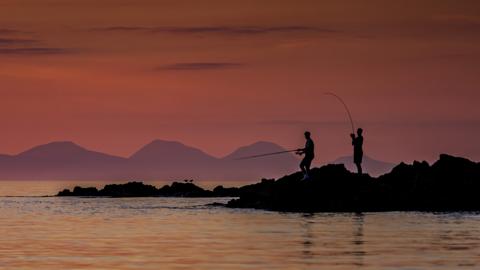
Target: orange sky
pixel 113 75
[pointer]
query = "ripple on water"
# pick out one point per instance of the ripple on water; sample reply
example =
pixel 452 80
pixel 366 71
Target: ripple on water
pixel 180 233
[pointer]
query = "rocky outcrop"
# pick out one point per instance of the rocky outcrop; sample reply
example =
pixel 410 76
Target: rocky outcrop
pixel 138 189
pixel 450 184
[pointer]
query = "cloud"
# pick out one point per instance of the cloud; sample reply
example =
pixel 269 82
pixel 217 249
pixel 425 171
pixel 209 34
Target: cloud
pixel 10 31
pixel 121 29
pixel 200 66
pixel 220 30
pixel 16 41
pixel 34 51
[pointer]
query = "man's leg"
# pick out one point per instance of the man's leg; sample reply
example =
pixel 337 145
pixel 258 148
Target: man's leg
pixel 359 167
pixel 307 166
pixel 302 166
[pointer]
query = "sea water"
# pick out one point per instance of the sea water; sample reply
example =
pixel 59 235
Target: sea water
pixel 188 233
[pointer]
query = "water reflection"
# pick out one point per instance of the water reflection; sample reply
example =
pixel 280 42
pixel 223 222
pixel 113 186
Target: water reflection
pixel 181 233
pixel 359 253
pixel 308 236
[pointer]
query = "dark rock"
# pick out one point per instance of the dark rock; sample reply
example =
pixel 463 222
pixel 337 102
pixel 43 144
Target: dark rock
pixel 450 184
pixel 139 189
pixel 177 189
pixel 217 204
pixel 79 191
pixel 65 192
pixel 220 191
pixel 130 189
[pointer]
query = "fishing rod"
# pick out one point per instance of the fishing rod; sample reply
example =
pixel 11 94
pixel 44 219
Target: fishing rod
pixel 268 154
pixel 296 150
pixel 345 106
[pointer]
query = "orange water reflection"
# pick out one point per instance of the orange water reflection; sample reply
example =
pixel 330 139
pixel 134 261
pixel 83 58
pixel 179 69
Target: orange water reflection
pixel 179 233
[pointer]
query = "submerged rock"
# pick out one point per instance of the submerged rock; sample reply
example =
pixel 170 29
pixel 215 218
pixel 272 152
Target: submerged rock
pixel 450 184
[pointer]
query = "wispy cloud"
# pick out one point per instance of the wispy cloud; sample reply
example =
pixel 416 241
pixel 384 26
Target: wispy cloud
pixel 200 66
pixel 225 30
pixel 16 41
pixel 35 51
pixel 121 29
pixel 5 31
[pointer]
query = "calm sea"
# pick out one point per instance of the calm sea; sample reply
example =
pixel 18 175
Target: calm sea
pixel 179 233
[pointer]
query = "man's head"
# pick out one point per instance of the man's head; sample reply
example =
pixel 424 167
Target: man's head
pixel 359 132
pixel 307 134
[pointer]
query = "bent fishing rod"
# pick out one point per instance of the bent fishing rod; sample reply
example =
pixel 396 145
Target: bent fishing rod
pixel 296 150
pixel 345 106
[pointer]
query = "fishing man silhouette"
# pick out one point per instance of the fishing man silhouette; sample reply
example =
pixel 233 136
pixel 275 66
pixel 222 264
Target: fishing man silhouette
pixel 357 142
pixel 309 152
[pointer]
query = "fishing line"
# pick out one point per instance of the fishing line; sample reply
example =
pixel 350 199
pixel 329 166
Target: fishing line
pixel 288 151
pixel 267 154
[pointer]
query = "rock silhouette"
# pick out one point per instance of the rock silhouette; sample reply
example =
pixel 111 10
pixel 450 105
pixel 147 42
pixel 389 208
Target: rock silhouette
pixel 450 184
pixel 139 189
pixel 371 166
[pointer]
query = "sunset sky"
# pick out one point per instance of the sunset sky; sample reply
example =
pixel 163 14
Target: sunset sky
pixel 112 75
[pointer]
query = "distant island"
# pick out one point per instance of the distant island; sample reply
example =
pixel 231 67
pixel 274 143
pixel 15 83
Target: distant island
pixel 158 159
pixel 450 184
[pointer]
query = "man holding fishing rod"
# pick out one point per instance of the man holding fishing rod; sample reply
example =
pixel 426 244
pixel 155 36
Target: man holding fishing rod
pixel 309 152
pixel 357 142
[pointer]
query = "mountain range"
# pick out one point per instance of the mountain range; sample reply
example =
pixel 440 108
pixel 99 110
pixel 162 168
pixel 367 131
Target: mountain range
pixel 370 165
pixel 158 160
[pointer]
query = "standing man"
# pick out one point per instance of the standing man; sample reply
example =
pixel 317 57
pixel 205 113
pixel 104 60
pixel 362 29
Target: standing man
pixel 309 152
pixel 357 142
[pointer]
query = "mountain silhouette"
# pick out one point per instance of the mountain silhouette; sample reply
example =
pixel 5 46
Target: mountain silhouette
pixel 60 160
pixel 158 160
pixel 272 166
pixel 370 165
pixel 167 159
pixel 160 151
pixel 254 149
pixel 57 151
